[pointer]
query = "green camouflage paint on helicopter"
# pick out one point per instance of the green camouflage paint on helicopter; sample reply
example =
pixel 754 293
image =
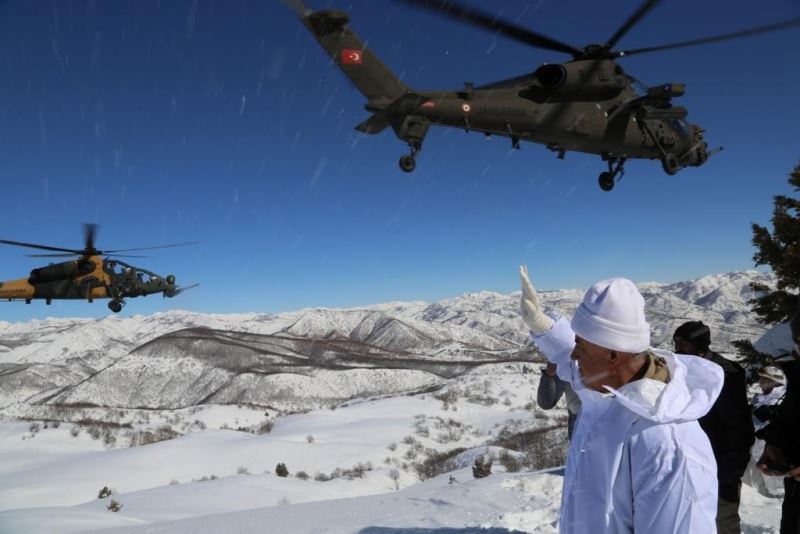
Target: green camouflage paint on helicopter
pixel 587 104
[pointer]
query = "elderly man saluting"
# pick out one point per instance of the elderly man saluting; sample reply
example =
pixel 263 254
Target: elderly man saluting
pixel 638 461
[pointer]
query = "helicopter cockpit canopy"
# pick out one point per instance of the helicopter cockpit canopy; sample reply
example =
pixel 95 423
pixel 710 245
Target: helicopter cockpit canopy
pixel 136 280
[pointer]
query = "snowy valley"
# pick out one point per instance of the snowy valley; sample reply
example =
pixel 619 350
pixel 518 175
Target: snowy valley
pixel 376 414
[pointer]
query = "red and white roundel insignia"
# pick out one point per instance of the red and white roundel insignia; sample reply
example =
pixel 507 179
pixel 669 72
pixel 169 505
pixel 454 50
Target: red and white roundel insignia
pixel 351 57
pixel 465 107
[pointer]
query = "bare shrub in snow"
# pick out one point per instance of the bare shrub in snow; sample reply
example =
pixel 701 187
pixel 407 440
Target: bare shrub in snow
pixel 410 454
pixel 321 477
pixel 392 447
pixel 109 439
pixel 543 447
pixel 114 506
pixel 310 438
pixel 34 428
pixel 145 437
pixel 394 475
pixel 174 482
pixel 265 427
pixel 436 463
pixel 242 470
pixel 104 492
pixel 75 431
pixel 302 475
pixel 508 461
pixel 281 470
pixel 409 440
pixel 284 501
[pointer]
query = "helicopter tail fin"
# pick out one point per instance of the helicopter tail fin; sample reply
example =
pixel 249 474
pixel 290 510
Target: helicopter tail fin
pixel 375 81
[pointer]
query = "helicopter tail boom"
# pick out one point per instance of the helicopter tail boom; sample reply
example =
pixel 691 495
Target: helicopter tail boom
pixel 372 78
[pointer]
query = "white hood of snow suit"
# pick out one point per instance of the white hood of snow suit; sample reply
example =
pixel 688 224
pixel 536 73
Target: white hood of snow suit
pixel 639 460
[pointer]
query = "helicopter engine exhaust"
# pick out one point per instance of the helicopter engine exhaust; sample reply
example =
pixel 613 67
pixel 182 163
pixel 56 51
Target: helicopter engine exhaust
pixel 591 78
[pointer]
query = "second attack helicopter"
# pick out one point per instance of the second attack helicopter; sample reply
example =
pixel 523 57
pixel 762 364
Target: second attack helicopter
pixel 586 104
pixel 93 274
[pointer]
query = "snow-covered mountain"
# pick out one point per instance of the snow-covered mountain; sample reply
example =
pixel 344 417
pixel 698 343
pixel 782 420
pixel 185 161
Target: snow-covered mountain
pixel 317 357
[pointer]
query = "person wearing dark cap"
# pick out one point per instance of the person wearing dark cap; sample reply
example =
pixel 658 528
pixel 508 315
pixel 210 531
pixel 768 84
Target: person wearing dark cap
pixel 782 451
pixel 728 424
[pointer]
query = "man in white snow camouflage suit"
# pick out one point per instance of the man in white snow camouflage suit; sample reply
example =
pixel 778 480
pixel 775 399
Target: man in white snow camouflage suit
pixel 638 460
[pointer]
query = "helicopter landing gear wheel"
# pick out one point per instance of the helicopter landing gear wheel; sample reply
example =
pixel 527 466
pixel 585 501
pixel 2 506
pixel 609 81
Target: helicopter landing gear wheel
pixel 606 181
pixel 115 306
pixel 407 163
pixel 615 172
pixel 670 164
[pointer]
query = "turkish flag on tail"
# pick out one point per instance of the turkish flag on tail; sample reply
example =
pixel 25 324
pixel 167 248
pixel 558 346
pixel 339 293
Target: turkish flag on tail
pixel 351 57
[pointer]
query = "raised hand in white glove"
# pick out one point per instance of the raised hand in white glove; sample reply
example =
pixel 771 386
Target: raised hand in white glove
pixel 530 308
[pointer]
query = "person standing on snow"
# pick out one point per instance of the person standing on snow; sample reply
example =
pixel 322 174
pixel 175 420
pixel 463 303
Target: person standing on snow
pixel 729 423
pixel 765 405
pixel 638 460
pixel 549 392
pixel 782 452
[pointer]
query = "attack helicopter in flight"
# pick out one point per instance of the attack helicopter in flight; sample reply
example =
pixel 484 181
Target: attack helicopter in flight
pixel 585 104
pixel 92 274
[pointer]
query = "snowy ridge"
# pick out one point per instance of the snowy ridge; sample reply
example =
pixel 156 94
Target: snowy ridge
pixel 135 361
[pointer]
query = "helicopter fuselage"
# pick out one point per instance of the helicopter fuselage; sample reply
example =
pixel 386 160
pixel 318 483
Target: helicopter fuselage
pixel 88 278
pixel 587 104
pixel 600 113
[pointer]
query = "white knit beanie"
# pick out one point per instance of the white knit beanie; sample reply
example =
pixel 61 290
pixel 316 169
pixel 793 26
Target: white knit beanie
pixel 612 316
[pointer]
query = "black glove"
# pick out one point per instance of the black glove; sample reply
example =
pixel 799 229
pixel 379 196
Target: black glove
pixel 730 490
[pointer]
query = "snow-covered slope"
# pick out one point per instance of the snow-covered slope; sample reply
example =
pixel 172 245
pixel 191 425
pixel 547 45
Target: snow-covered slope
pixel 314 357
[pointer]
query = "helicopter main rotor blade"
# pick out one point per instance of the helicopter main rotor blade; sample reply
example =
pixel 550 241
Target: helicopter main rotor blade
pixel 298 7
pixel 124 256
pixel 149 248
pixel 41 247
pixel 89 233
pixel 488 21
pixel 634 19
pixel 64 255
pixel 791 23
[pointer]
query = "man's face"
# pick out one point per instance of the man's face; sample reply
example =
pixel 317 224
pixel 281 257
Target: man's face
pixel 684 347
pixel 594 363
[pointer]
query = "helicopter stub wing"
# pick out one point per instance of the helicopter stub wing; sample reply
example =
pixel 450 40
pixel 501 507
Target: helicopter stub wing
pixel 376 123
pixel 179 290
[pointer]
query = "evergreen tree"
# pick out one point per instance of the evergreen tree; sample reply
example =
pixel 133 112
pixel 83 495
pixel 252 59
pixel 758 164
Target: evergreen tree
pixel 781 251
pixel 482 468
pixel 281 470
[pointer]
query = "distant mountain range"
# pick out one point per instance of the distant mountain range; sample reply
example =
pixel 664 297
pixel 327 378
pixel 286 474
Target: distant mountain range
pixel 317 357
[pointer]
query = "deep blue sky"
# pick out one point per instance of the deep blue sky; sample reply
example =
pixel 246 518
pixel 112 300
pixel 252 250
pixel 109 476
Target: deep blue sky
pixel 223 122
